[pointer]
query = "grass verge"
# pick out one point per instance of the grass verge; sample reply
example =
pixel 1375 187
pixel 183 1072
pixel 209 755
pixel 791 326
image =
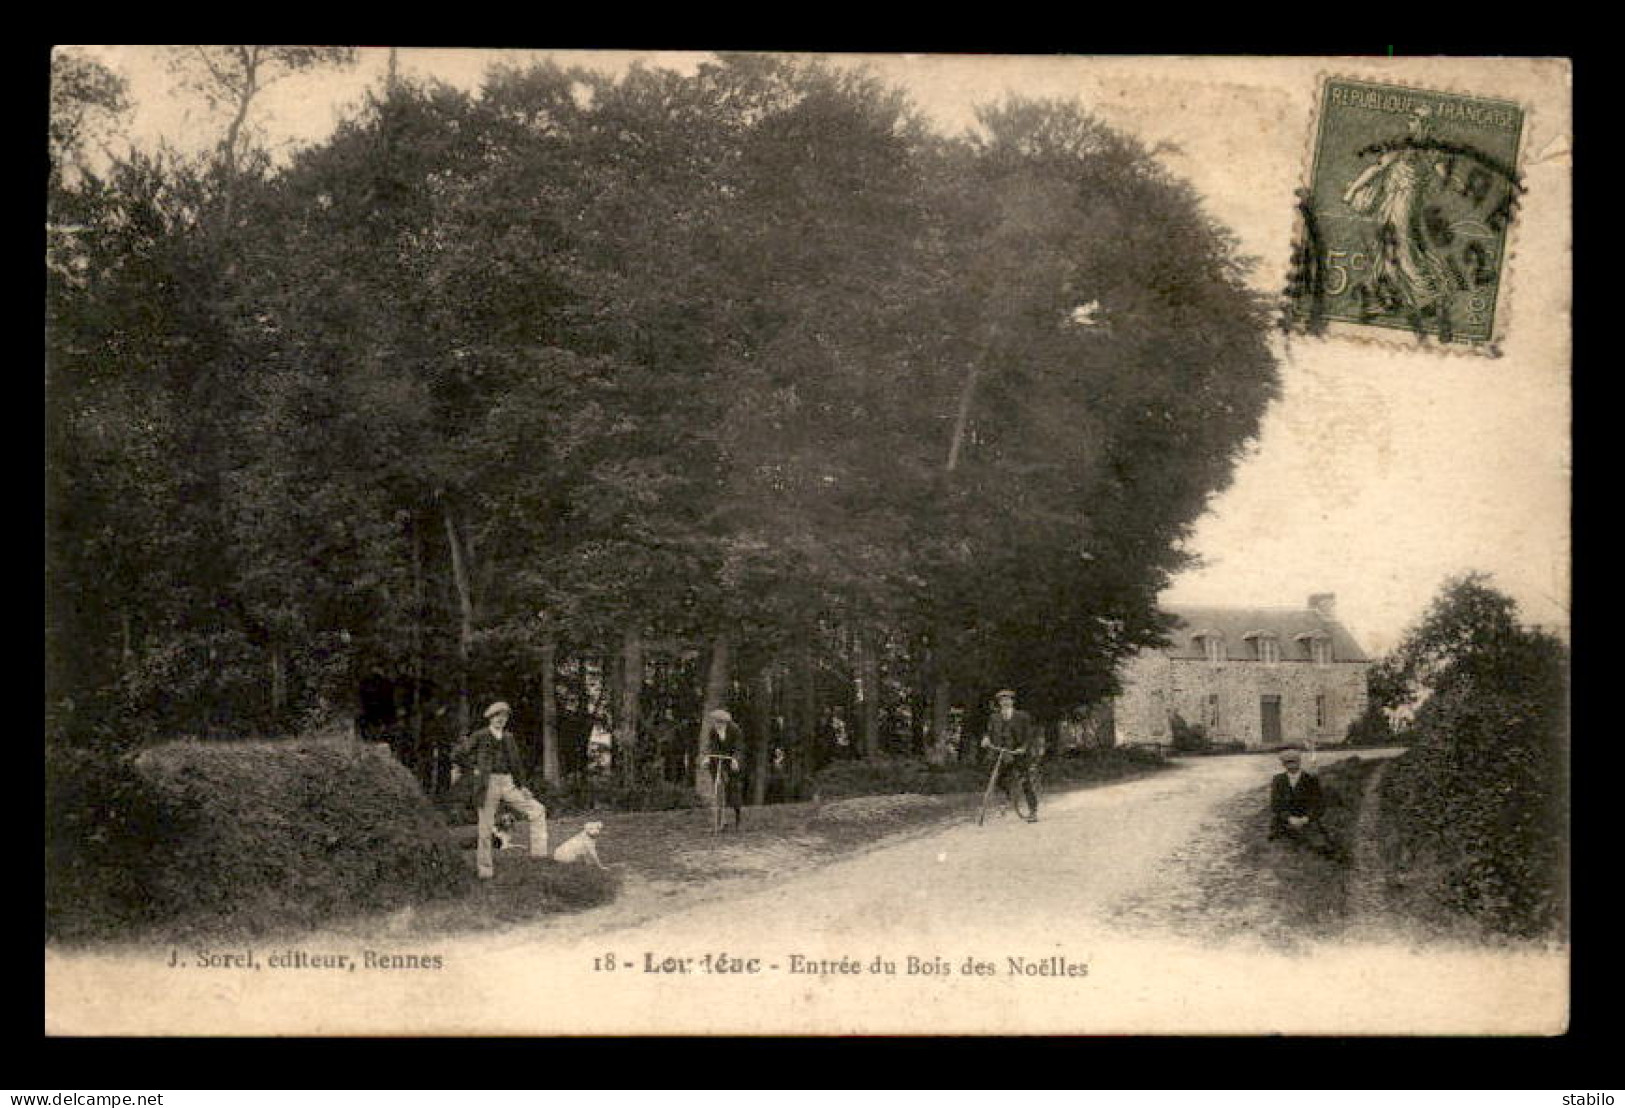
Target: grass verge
pixel 1234 881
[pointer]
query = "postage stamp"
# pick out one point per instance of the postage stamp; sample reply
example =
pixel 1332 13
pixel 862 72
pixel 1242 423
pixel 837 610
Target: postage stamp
pixel 1405 216
pixel 859 512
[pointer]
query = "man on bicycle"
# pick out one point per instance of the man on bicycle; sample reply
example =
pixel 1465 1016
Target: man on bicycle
pixel 725 760
pixel 1013 731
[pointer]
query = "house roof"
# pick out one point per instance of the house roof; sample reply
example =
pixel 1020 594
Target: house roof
pixel 1293 628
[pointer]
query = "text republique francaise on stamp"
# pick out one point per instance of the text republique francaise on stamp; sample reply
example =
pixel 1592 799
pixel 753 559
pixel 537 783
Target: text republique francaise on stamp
pixel 1405 217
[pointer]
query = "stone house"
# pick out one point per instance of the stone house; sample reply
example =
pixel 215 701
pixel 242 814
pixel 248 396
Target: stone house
pixel 1256 676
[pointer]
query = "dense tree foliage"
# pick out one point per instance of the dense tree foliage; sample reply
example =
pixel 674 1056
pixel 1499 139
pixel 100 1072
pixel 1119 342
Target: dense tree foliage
pixel 86 100
pixel 621 397
pixel 1483 788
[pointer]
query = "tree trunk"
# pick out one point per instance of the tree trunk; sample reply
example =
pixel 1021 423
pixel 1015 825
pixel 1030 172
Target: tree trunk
pixel 551 773
pixel 962 417
pixel 936 752
pixel 465 623
pixel 716 690
pixel 279 685
pixel 762 742
pixel 578 758
pixel 626 716
pixel 422 760
pixel 919 716
pixel 207 709
pixel 249 56
pixel 869 681
pixel 803 757
pixel 966 396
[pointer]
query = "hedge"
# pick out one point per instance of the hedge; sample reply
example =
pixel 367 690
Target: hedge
pixel 240 837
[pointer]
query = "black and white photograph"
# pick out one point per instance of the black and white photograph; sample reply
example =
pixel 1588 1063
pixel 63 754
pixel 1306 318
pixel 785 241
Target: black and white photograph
pixel 641 543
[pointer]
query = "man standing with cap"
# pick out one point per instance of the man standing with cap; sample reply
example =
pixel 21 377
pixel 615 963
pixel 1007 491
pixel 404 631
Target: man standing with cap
pixel 1013 730
pixel 491 755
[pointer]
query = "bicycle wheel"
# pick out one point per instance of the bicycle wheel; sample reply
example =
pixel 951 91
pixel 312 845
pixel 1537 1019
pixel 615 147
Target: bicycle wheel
pixel 987 794
pixel 1018 795
pixel 716 803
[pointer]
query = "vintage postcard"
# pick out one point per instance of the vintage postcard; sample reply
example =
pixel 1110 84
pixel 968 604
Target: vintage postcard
pixel 554 543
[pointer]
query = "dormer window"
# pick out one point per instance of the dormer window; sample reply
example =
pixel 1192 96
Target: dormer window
pixel 1319 646
pixel 1266 647
pixel 1212 644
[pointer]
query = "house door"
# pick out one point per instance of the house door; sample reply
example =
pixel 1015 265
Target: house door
pixel 1269 711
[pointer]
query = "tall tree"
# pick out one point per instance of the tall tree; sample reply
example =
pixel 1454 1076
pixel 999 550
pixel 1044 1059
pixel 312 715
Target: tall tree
pixel 231 78
pixel 745 359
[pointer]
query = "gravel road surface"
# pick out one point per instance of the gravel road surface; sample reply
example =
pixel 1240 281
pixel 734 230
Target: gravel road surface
pixel 1010 927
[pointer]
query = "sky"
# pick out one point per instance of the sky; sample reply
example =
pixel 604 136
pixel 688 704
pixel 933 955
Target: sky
pixel 1382 470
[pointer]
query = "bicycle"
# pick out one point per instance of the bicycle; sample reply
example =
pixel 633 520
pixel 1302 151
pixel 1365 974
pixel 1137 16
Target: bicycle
pixel 719 778
pixel 1035 781
pixel 1018 797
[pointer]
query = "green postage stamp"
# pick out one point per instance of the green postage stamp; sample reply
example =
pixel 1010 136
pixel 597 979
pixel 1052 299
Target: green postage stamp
pixel 1404 221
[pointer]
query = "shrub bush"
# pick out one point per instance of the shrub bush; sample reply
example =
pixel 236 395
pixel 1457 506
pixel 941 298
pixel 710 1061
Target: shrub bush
pixel 1371 728
pixel 292 833
pixel 878 776
pixel 1080 766
pixel 579 792
pixel 103 824
pixel 1479 802
pixel 882 776
pixel 1188 736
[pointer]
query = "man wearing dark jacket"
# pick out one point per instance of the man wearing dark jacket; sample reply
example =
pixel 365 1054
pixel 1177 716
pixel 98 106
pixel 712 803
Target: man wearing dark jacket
pixel 1296 805
pixel 491 755
pixel 1013 730
pixel 725 748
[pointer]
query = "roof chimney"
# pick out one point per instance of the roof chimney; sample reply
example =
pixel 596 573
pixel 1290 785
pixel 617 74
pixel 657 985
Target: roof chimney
pixel 1325 603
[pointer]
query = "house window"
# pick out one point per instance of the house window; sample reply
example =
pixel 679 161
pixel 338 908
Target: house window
pixel 1212 645
pixel 1213 712
pixel 1317 645
pixel 1268 648
pixel 1320 711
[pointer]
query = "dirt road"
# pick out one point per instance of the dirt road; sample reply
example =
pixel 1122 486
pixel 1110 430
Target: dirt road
pixel 1007 927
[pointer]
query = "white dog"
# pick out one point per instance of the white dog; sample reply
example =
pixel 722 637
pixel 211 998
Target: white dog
pixel 582 848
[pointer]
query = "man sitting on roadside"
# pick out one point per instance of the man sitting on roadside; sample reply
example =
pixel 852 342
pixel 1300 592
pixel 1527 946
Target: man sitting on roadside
pixel 1296 806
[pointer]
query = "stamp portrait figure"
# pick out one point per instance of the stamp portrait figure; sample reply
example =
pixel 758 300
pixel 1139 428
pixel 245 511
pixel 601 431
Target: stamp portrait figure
pixel 1396 190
